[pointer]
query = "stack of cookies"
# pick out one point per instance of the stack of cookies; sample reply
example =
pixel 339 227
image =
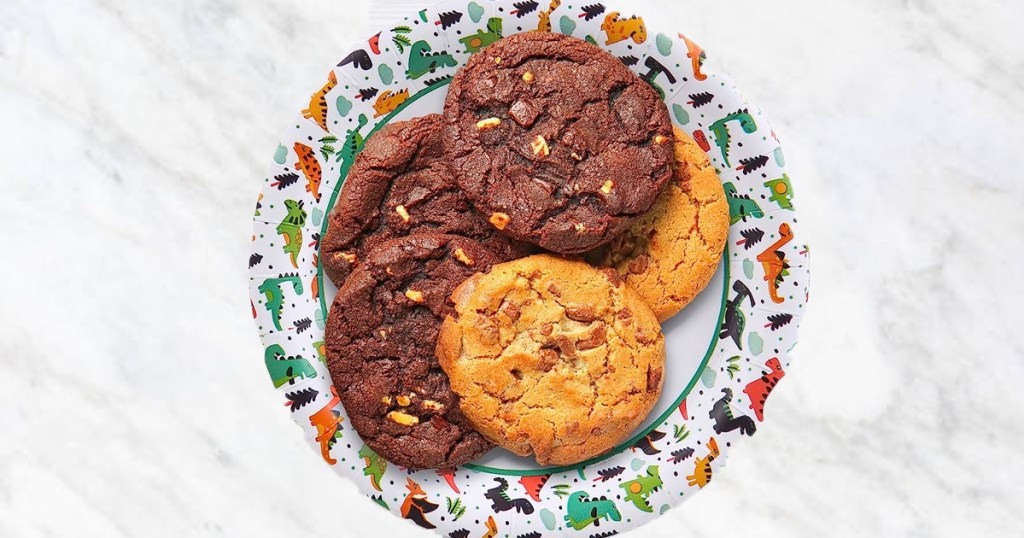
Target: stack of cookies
pixel 503 268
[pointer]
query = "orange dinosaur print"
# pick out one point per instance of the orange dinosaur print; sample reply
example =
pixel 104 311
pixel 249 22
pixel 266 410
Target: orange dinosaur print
pixel 533 485
pixel 492 528
pixel 775 264
pixel 544 25
pixel 619 29
pixel 696 55
pixel 758 390
pixel 682 410
pixel 389 101
pixel 326 422
pixel 702 466
pixel 449 476
pixel 317 110
pixel 416 506
pixel 310 168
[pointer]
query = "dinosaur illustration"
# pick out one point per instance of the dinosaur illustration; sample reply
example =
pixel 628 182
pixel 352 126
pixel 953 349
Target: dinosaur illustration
pixel 735 321
pixel 310 168
pixel 757 391
pixel 654 70
pixel 291 229
pixel 721 131
pixel 682 410
pixel 740 205
pixel 317 110
pixel 389 101
pixel 640 489
pixel 271 287
pixel 533 485
pixel 500 501
pixel 359 58
pixel 721 413
pixel 697 56
pixel 416 506
pixel 379 499
pixel 583 511
pixel 326 422
pixel 375 466
pixel 646 443
pixel 618 29
pixel 544 24
pixel 492 528
pixel 782 191
pixel 449 476
pixel 374 43
pixel 476 42
pixel 702 140
pixel 353 142
pixel 284 369
pixel 423 60
pixel 776 266
pixel 702 466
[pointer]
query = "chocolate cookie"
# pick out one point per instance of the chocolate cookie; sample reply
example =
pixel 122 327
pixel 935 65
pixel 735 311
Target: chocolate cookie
pixel 401 184
pixel 556 141
pixel 553 357
pixel 381 334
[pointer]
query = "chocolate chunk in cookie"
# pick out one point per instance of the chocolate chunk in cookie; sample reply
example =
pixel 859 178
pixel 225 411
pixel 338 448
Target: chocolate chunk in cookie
pixel 557 142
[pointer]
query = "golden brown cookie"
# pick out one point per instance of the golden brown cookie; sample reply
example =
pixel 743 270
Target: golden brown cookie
pixel 670 254
pixel 552 357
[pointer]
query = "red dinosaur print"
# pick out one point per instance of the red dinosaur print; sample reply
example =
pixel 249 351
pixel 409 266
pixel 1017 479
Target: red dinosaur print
pixel 759 389
pixel 533 485
pixel 449 476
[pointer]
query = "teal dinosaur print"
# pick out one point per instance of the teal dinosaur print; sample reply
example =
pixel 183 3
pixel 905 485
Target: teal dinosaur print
pixel 740 205
pixel 291 230
pixel 423 60
pixel 353 142
pixel 271 287
pixel 476 42
pixel 640 488
pixel 782 191
pixel 286 369
pixel 584 511
pixel 721 131
pixel 375 466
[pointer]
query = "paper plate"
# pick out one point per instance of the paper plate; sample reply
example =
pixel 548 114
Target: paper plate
pixel 726 351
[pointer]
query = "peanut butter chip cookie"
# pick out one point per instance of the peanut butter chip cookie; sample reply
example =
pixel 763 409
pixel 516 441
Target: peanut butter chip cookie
pixel 552 357
pixel 671 253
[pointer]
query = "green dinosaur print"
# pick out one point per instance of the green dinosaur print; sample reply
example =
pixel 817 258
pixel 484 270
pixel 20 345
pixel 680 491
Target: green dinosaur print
pixel 291 230
pixel 583 511
pixel 286 369
pixel 423 60
pixel 476 42
pixel 375 466
pixel 640 488
pixel 721 131
pixel 353 142
pixel 782 191
pixel 740 205
pixel 271 287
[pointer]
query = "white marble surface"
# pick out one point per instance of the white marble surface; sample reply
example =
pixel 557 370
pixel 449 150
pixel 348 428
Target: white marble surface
pixel 134 136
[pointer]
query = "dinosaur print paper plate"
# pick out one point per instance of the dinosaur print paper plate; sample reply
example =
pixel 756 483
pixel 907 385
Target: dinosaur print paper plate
pixel 725 353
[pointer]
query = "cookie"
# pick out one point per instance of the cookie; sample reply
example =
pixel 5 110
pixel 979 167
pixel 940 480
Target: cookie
pixel 381 334
pixel 552 357
pixel 672 252
pixel 556 141
pixel 401 184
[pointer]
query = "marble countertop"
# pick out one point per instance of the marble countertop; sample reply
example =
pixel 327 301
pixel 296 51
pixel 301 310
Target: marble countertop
pixel 135 134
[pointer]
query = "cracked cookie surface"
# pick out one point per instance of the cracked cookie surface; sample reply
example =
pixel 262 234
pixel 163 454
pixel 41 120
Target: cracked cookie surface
pixel 381 334
pixel 401 184
pixel 556 141
pixel 552 357
pixel 670 254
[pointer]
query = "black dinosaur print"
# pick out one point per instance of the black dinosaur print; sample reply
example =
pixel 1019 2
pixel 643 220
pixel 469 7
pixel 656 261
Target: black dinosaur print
pixel 725 422
pixel 500 501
